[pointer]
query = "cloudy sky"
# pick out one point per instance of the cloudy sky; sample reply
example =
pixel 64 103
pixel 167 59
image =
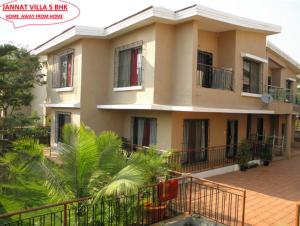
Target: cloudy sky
pixel 285 13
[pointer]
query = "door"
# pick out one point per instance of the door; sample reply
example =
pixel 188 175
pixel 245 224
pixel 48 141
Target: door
pixel 260 129
pixel 283 129
pixel 205 62
pixel 231 138
pixel 195 140
pixel 288 86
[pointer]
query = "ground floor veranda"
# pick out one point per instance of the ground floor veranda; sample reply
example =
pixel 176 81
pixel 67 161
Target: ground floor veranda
pixel 201 140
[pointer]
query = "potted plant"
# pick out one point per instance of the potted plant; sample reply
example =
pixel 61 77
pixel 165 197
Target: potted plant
pixel 243 155
pixel 266 155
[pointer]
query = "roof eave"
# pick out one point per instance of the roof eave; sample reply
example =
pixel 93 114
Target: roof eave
pixel 150 15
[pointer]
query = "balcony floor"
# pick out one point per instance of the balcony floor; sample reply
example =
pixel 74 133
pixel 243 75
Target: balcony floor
pixel 271 191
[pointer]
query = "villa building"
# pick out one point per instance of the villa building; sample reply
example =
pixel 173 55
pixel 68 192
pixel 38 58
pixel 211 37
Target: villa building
pixel 191 80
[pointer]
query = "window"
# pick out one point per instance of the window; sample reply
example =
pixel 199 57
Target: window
pixel 195 140
pixel 251 76
pixel 205 61
pixel 144 131
pixel 129 65
pixel 63 70
pixel 61 118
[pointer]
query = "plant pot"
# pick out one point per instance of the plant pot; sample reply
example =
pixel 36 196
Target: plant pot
pixel 155 213
pixel 243 167
pixel 266 162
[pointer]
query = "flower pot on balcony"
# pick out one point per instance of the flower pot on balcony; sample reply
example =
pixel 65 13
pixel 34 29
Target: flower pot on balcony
pixel 155 212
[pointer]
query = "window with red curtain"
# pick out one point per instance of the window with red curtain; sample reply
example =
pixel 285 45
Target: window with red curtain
pixel 130 67
pixel 66 70
pixel 69 70
pixel 144 131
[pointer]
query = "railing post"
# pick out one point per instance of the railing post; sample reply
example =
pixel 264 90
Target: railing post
pixel 297 223
pixel 244 207
pixel 190 207
pixel 65 214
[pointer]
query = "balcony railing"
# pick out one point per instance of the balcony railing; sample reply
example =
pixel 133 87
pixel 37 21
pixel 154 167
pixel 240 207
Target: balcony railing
pixel 297 99
pixel 280 94
pixel 214 77
pixel 220 203
pixel 197 160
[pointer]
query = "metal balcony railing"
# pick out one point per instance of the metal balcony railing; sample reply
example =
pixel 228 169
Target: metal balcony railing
pixel 214 77
pixel 152 204
pixel 279 93
pixel 297 99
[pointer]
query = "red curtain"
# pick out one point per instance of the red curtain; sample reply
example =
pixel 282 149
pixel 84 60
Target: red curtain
pixel 167 190
pixel 146 134
pixel 134 73
pixel 69 71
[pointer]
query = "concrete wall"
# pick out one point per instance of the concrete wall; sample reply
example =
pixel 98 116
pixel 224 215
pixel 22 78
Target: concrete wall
pixel 95 86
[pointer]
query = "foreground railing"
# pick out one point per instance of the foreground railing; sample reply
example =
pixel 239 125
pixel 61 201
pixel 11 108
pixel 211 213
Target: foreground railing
pixel 202 159
pixel 279 94
pixel 214 77
pixel 223 204
pixel 297 219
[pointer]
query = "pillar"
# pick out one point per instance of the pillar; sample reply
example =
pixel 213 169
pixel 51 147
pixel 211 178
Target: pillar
pixel 288 135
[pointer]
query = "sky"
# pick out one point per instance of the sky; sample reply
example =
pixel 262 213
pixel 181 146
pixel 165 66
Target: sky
pixel 100 13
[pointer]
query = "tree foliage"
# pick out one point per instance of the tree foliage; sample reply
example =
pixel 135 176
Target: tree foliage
pixel 18 75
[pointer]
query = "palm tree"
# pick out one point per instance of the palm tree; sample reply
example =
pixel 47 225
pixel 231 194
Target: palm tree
pixel 26 154
pixel 90 164
pixel 79 156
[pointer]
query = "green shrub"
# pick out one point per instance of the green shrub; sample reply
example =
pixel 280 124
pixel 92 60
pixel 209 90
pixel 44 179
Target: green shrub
pixel 243 155
pixel 266 154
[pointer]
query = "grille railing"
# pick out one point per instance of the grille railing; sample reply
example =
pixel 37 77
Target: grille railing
pixel 214 77
pixel 280 94
pixel 202 159
pixel 221 203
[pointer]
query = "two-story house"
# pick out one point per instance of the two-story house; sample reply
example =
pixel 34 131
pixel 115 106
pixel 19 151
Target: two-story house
pixel 190 80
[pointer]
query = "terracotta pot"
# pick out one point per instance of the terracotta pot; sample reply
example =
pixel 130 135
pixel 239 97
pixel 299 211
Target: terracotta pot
pixel 155 213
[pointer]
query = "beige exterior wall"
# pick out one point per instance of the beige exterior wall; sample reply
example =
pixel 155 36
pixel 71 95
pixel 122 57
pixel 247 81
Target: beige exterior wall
pixel 147 35
pixel 94 87
pixel 217 127
pixel 40 94
pixel 164 63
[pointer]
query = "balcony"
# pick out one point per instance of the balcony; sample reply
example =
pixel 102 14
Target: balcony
pixel 280 94
pixel 214 77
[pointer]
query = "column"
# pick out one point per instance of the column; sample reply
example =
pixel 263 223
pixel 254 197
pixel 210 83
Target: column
pixel 288 135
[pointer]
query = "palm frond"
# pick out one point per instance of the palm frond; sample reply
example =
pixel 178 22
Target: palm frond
pixel 126 181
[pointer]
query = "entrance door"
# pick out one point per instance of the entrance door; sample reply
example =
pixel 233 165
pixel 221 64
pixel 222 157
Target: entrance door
pixel 195 140
pixel 205 62
pixel 231 138
pixel 260 129
pixel 283 129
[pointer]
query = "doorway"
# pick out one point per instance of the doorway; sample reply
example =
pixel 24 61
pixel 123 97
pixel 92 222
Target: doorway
pixel 205 62
pixel 260 129
pixel 231 138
